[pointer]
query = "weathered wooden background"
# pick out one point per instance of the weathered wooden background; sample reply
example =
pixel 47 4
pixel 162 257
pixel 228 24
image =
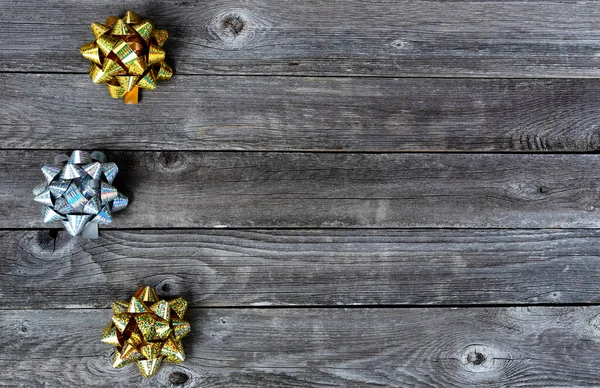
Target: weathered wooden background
pixel 365 193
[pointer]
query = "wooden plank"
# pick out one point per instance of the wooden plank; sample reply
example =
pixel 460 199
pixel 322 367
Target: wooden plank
pixel 300 37
pixel 481 347
pixel 305 113
pixel 303 267
pixel 255 189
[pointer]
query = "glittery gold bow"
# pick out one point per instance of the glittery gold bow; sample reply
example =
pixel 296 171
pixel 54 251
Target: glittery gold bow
pixel 126 54
pixel 147 331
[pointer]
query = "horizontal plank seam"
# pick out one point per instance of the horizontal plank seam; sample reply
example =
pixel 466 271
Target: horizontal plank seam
pixel 342 306
pixel 310 151
pixel 305 228
pixel 292 228
pixel 340 75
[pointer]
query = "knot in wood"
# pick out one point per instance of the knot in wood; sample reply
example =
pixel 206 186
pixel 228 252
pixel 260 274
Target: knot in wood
pixel 544 190
pixel 178 378
pixel 24 327
pixel 594 328
pixel 401 45
pixel 475 358
pixel 231 27
pixel 233 23
pixel 46 239
pixel 169 286
pixel 237 29
pixel 47 243
pixel 171 160
pixel 168 158
pixel 480 358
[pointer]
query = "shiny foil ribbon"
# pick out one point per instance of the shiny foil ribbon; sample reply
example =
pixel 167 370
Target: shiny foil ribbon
pixel 78 192
pixel 127 53
pixel 147 330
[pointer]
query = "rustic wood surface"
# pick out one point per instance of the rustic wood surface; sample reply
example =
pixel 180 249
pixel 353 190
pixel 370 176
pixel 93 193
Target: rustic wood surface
pixel 304 113
pixel 250 189
pixel 320 37
pixel 409 192
pixel 341 347
pixel 304 267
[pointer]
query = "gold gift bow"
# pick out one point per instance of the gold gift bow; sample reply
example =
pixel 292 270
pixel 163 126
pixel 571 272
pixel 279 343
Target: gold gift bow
pixel 126 54
pixel 147 331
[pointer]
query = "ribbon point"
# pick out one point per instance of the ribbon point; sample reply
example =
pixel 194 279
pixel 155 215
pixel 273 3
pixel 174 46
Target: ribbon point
pixel 93 169
pixel 44 198
pixel 120 28
pixel 99 29
pixel 50 215
pixel 91 52
pixel 92 207
pixel 104 217
pixel 131 17
pixel 144 29
pixel 75 223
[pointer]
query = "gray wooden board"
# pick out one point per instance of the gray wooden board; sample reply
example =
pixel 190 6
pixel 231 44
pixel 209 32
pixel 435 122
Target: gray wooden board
pixel 255 189
pixel 50 111
pixel 434 347
pixel 299 37
pixel 303 267
pixel 356 86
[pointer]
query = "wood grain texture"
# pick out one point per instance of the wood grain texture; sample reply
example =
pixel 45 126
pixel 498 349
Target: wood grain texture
pixel 303 267
pixel 300 37
pixel 392 228
pixel 485 347
pixel 224 189
pixel 52 111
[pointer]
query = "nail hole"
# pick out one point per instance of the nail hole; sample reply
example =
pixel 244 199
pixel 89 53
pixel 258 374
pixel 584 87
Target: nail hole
pixel 544 190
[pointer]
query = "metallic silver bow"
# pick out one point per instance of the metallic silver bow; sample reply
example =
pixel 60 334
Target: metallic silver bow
pixel 78 192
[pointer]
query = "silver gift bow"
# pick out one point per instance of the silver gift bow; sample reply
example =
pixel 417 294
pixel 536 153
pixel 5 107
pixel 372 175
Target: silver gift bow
pixel 78 192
